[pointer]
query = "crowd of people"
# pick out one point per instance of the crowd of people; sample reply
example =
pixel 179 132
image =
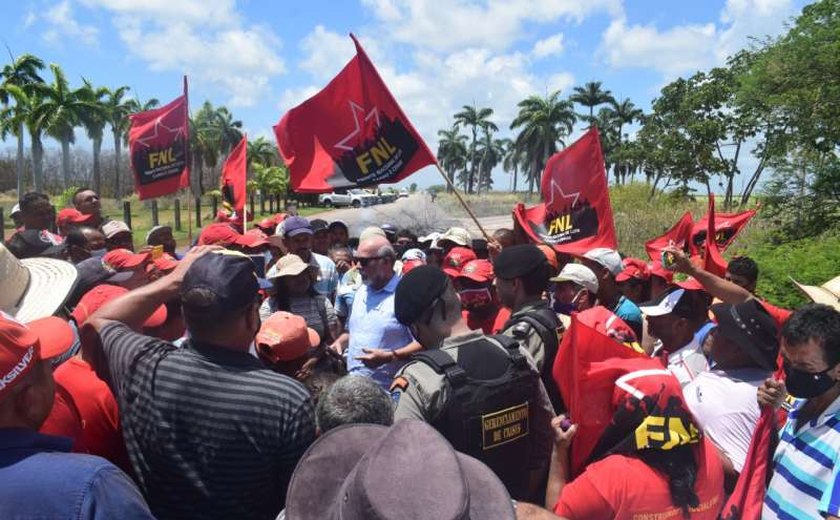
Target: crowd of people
pixel 297 371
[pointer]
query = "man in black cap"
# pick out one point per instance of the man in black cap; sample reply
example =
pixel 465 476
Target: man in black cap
pixel 211 431
pixel 723 400
pixel 483 393
pixel 320 236
pixel 522 274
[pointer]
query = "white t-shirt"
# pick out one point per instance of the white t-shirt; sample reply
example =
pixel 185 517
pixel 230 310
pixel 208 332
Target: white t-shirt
pixel 724 404
pixel 688 362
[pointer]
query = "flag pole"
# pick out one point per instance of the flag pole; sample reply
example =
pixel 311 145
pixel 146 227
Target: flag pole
pixel 463 202
pixel 189 218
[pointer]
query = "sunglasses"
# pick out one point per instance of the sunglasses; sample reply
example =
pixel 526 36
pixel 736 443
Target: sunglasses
pixel 365 261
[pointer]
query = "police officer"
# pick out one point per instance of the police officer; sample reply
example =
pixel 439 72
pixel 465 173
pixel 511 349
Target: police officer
pixel 483 393
pixel 522 274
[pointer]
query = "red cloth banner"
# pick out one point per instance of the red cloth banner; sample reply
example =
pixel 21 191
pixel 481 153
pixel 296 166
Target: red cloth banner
pixel 159 148
pixel 351 133
pixel 678 236
pixel 594 335
pixel 575 215
pixel 727 227
pixel 747 498
pixel 234 179
pixel 713 262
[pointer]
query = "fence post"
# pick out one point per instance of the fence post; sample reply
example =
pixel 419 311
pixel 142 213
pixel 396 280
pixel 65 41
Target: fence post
pixel 214 204
pixel 251 204
pixel 271 204
pixel 198 212
pixel 155 220
pixel 262 203
pixel 177 214
pixel 127 213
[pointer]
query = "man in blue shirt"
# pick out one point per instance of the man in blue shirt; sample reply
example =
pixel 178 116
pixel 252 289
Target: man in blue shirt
pixel 297 237
pixel 377 344
pixel 606 264
pixel 39 478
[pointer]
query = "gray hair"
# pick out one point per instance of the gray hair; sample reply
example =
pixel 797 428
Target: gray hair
pixel 354 400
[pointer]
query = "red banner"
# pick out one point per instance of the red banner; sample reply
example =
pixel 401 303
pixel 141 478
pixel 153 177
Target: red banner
pixel 158 144
pixel 678 236
pixel 234 179
pixel 594 335
pixel 727 227
pixel 575 215
pixel 747 498
pixel 713 262
pixel 352 133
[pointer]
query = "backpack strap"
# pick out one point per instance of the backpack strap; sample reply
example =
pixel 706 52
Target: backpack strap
pixel 545 325
pixel 511 346
pixel 442 363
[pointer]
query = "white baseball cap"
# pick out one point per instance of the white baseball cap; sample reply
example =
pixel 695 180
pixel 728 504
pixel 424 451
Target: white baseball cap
pixel 664 305
pixel 579 274
pixel 609 259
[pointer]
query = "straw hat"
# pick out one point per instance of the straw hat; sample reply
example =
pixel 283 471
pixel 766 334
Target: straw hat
pixel 34 288
pixel 827 293
pixel 289 265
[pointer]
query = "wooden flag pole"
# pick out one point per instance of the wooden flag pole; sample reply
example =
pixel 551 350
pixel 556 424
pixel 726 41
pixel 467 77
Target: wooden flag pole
pixel 463 202
pixel 189 218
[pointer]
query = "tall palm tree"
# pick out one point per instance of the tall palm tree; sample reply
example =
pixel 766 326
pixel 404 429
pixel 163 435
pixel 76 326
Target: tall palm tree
pixel 623 113
pixel 543 122
pixel 118 108
pixel 477 119
pixel 491 153
pixel 61 111
pixel 21 73
pixel 229 129
pixel 94 122
pixel 591 95
pixel 452 152
pixel 512 161
pixel 262 152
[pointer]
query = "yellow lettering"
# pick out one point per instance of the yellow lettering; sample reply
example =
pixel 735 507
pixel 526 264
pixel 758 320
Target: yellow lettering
pixel 380 152
pixel 387 145
pixel 363 161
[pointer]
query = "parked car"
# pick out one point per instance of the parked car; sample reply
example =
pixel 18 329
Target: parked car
pixel 355 197
pixel 403 193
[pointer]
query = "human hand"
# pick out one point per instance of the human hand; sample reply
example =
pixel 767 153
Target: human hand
pixel 493 248
pixel 564 431
pixel 682 263
pixel 306 369
pixel 771 393
pixel 191 256
pixel 374 357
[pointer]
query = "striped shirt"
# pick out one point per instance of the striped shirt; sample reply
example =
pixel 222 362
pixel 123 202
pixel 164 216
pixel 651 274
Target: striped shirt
pixel 806 479
pixel 211 432
pixel 317 311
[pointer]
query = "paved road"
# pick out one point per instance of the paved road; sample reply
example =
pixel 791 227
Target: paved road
pixel 416 212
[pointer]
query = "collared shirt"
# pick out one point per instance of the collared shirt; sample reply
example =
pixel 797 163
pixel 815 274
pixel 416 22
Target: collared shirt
pixel 350 283
pixel 806 479
pixel 38 479
pixel 211 432
pixel 327 280
pixel 689 361
pixel 373 324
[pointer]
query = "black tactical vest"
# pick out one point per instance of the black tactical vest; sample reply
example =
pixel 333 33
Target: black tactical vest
pixel 491 404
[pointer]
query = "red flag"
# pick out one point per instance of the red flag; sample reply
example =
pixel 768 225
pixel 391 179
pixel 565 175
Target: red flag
pixel 352 133
pixel 158 144
pixel 747 498
pixel 678 236
pixel 575 215
pixel 594 335
pixel 727 227
pixel 233 181
pixel 713 262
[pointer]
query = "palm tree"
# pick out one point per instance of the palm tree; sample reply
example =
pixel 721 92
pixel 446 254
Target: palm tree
pixel 118 108
pixel 512 161
pixel 60 111
pixel 229 130
pixel 492 152
pixel 543 122
pixel 21 73
pixel 477 119
pixel 590 95
pixel 452 152
pixel 621 114
pixel 94 122
pixel 262 152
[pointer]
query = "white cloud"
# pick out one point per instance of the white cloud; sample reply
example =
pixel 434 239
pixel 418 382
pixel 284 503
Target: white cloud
pixel 493 24
pixel 325 52
pixel 63 26
pixel 206 39
pixel 750 18
pixel 551 46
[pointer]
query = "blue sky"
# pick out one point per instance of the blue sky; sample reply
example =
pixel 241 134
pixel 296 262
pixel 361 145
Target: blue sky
pixel 261 57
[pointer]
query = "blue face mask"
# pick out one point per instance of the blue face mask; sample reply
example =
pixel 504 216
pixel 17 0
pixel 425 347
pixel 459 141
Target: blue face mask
pixel 98 253
pixel 563 308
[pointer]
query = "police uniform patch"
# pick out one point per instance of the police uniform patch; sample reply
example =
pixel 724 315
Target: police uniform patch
pixel 504 426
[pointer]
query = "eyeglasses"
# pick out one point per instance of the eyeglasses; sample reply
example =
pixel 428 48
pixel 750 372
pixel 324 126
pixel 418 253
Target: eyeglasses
pixel 364 261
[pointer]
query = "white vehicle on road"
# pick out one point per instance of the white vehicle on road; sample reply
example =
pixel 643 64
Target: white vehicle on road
pixel 355 197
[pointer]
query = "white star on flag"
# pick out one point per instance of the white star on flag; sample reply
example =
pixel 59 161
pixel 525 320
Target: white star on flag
pixel 153 136
pixel 554 188
pixel 357 110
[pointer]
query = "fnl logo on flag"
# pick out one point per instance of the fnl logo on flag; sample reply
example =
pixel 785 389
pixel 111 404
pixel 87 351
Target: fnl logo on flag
pixel 352 133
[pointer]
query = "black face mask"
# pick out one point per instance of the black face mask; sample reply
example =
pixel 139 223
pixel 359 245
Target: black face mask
pixel 806 385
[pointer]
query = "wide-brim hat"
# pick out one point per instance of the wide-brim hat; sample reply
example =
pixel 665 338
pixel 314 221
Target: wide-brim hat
pixel 827 293
pixel 289 265
pixel 750 326
pixel 409 470
pixel 34 288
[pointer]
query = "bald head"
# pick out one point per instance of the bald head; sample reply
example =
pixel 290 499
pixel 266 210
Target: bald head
pixel 374 246
pixel 376 261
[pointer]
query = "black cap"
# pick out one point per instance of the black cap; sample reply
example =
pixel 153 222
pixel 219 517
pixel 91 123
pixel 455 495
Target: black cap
pixel 319 225
pixel 516 261
pixel 337 224
pixel 417 291
pixel 751 327
pixel 30 243
pixel 229 276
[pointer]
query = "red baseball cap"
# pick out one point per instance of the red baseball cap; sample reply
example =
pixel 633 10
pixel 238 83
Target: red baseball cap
pixel 478 271
pixel 124 260
pixel 456 259
pixel 222 234
pixel 100 295
pixel 633 268
pixel 166 262
pixel 408 265
pixel 284 337
pixel 68 216
pixel 22 345
pixel 267 224
pixel 656 269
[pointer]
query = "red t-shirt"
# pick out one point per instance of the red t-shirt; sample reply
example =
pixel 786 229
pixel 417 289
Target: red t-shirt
pixel 625 488
pixel 86 411
pixel 490 324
